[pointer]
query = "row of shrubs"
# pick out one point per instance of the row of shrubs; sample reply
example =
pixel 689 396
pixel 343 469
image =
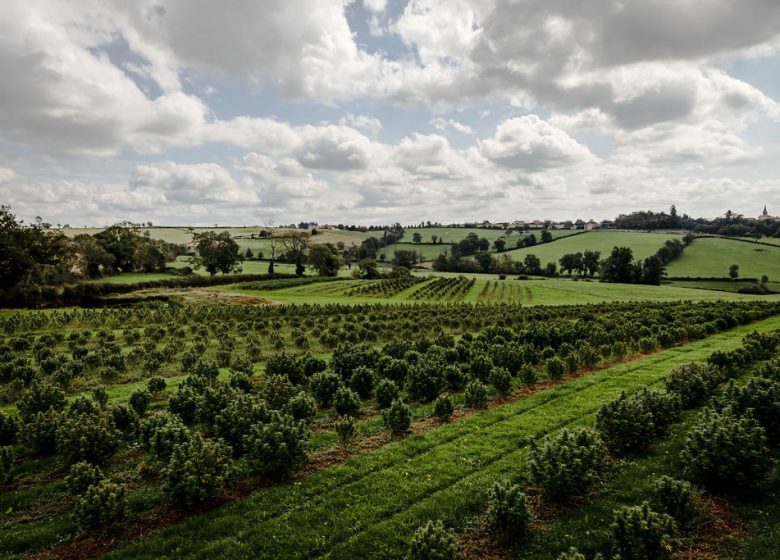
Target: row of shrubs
pixel 726 450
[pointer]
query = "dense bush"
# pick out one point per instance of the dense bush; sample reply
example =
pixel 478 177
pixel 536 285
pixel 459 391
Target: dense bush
pixel 81 476
pixel 639 533
pixel 432 542
pixel 101 505
pixel 398 418
pixel 277 447
pixel 386 392
pixel 678 499
pixel 501 380
pixel 424 381
pixel 278 390
pixel 184 403
pixel 6 464
pixel 197 471
pixel 40 397
pixel 528 374
pixel 87 437
pixel 124 419
pixel 509 510
pixel 362 381
pixel 237 419
pixel 475 394
pixel 156 385
pixel 39 432
pixel 443 408
pixel 324 386
pixel 9 427
pixel 161 433
pixel 724 451
pixel 346 402
pixel 555 367
pixel 760 397
pixel 693 382
pixel 302 407
pixel 625 424
pixel 568 464
pixel 139 400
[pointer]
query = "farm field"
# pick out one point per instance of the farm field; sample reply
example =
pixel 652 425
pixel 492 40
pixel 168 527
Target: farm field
pixel 712 257
pixel 368 506
pixel 642 244
pixel 430 251
pixel 488 289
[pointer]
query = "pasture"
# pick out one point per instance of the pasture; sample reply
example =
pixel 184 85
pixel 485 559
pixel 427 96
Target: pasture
pixel 709 257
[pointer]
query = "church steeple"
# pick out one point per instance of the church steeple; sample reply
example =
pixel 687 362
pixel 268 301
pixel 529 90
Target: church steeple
pixel 765 212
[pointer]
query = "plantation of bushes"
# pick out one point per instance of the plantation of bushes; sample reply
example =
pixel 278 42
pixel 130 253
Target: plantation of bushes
pixel 202 419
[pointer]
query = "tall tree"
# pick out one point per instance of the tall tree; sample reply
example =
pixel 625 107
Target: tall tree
pixel 591 261
pixel 325 259
pixel 416 237
pixel 734 271
pixel 217 252
pixel 295 245
pixel 619 266
pixel 499 244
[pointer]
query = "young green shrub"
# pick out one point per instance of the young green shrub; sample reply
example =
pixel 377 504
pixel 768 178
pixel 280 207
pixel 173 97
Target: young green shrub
pixel 156 385
pixel 87 437
pixel 344 426
pixel 398 418
pixel 9 428
pixel 454 377
pixel 161 433
pixel 324 386
pixel 475 394
pixel 432 541
pixel 277 391
pixel 277 447
pixel 241 381
pixel 346 402
pixel 501 380
pixel 664 407
pixel 302 407
pixel 424 382
pixel 693 382
pixel 625 424
pixel 185 403
pixel 100 395
pixel 761 397
pixel 39 432
pixel 386 392
pixel 6 464
pixel 124 419
pixel 81 476
pixel 443 408
pixel 724 451
pixel 568 464
pixel 40 397
pixel 639 533
pixel 362 381
pixel 509 510
pixel 555 367
pixel 237 419
pixel 82 405
pixel 101 505
pixel 198 471
pixel 528 375
pixel 139 400
pixel 678 499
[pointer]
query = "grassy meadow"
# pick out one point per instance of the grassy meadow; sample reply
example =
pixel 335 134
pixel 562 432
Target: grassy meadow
pixel 709 257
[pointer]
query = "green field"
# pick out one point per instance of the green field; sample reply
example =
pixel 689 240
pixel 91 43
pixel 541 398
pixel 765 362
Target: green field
pixel 367 507
pixel 711 258
pixel 642 244
pixel 488 289
pixel 452 235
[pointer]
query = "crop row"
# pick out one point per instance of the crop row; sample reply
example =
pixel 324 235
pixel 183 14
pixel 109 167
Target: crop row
pixel 452 288
pixel 387 287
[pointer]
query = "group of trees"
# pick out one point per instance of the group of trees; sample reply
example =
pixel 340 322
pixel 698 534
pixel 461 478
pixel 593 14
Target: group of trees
pixel 35 254
pixel 620 266
pixel 730 224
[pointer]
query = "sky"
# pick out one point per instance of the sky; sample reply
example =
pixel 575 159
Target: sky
pixel 247 112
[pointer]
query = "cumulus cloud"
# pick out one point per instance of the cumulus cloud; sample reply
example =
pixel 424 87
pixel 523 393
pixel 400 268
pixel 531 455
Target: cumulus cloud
pixel 202 183
pixel 532 144
pixel 442 124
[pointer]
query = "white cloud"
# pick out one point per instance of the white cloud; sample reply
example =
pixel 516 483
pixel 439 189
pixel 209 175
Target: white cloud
pixel 6 174
pixel 532 144
pixel 370 124
pixel 442 124
pixel 201 183
pixel 375 5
